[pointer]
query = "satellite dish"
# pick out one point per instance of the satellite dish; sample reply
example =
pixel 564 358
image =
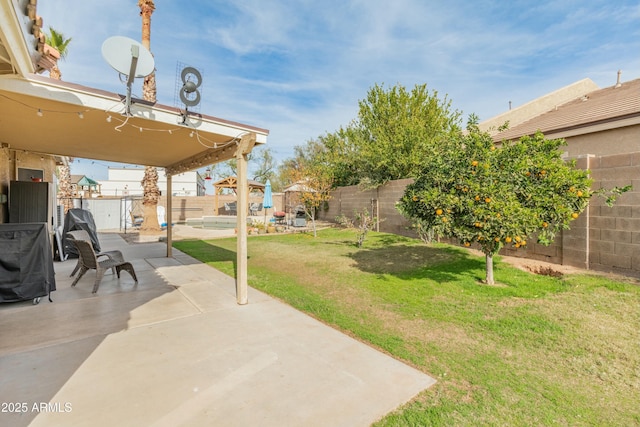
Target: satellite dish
pixel 128 56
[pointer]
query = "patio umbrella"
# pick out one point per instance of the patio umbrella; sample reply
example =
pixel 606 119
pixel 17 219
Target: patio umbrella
pixel 267 201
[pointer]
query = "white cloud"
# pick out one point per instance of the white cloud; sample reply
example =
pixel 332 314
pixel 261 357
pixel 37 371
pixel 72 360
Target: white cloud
pixel 299 67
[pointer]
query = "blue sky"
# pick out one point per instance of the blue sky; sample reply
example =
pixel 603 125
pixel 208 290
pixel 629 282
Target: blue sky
pixel 299 67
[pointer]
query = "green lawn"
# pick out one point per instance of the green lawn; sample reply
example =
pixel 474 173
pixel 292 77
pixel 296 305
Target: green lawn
pixel 532 350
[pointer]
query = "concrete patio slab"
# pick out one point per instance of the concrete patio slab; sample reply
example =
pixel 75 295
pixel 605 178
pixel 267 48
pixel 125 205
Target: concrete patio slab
pixel 177 350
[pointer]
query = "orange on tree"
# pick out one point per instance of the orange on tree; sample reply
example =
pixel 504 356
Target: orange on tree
pixel 515 203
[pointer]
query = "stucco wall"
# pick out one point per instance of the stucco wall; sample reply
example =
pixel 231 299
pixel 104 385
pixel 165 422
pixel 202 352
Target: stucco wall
pixel 10 161
pixel 615 141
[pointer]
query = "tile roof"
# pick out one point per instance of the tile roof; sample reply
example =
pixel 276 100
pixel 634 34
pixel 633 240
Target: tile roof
pixel 608 104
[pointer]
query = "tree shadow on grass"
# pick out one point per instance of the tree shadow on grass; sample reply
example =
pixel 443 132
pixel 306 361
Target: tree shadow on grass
pixel 408 262
pixel 206 251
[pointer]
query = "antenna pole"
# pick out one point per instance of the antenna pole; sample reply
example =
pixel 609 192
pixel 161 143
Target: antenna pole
pixel 135 54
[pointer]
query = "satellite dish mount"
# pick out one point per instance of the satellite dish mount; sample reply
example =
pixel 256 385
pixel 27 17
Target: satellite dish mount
pixel 129 58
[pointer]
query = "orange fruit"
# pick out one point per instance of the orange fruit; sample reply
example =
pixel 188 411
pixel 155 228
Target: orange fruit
pixel 474 163
pixel 579 193
pixel 467 244
pixel 507 239
pixel 575 215
pixel 518 239
pixel 444 219
pixel 544 224
pixel 528 173
pixel 477 198
pixel 488 200
pixel 415 198
pixel 497 239
pixel 438 211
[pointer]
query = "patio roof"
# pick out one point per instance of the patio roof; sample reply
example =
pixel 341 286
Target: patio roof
pixel 232 183
pixel 47 116
pixel 43 115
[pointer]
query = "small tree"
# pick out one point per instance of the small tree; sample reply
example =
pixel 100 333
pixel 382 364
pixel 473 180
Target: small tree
pixel 493 196
pixel 316 187
pixel 362 222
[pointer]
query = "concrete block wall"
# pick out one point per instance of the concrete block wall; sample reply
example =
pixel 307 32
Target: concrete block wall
pixel 614 237
pixel 185 207
pixel 346 200
pixel 603 238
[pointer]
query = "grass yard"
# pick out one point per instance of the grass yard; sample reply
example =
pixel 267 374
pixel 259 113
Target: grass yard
pixel 532 350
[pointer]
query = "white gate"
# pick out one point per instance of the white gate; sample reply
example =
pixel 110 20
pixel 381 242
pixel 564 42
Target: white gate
pixel 106 213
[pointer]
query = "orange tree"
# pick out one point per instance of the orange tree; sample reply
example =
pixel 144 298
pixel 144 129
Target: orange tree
pixel 477 192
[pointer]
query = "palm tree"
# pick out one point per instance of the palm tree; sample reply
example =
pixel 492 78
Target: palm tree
pixel 57 41
pixel 150 181
pixel 65 192
pixel 146 9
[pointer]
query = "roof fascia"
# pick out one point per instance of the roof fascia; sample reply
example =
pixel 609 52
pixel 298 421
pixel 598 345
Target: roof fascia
pixel 15 31
pixel 89 98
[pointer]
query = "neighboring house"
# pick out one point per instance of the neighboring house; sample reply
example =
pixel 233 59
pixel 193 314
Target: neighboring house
pixel 598 122
pixel 602 131
pixel 126 181
pixel 84 187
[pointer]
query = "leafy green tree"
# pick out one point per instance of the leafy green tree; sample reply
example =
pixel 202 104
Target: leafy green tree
pixel 493 196
pixel 397 132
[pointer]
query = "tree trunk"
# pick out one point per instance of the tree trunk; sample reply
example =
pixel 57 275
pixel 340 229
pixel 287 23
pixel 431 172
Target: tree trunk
pixel 150 200
pixel 489 269
pixel 64 188
pixel 150 182
pixel 150 224
pixel 55 73
pixel 313 222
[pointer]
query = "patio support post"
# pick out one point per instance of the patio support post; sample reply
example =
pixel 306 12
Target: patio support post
pixel 169 213
pixel 244 147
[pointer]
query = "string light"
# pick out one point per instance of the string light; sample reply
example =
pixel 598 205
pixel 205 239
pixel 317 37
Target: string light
pixel 201 139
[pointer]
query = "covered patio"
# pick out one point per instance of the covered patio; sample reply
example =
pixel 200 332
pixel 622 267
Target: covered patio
pixel 52 117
